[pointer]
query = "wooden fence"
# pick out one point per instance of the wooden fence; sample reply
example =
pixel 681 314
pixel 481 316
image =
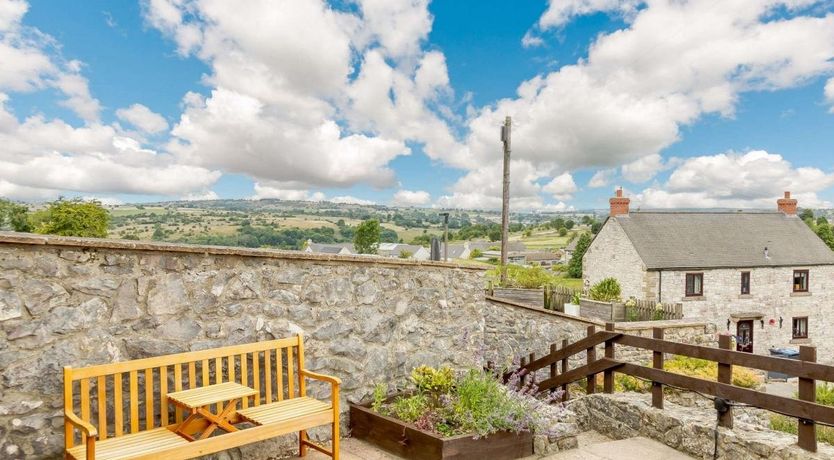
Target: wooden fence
pixel 725 394
pixel 648 310
pixel 555 297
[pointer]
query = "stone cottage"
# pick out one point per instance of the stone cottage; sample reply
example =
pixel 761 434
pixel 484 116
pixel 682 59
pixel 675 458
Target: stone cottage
pixel 763 276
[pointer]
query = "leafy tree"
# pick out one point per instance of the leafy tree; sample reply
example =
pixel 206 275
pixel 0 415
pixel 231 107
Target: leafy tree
pixel 494 233
pixel 806 214
pixel 367 237
pixel 563 231
pixel 821 220
pixel 14 216
pixel 73 218
pixel 569 224
pixel 826 234
pixel 575 265
pixel 596 227
pixel 158 233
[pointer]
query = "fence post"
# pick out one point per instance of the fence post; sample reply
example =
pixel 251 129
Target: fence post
pixel 657 363
pixel 608 375
pixel 565 395
pixel 807 392
pixel 591 356
pixel 532 373
pixel 521 364
pixel 725 375
pixel 548 296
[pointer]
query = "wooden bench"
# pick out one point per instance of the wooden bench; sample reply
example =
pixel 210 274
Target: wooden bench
pixel 122 410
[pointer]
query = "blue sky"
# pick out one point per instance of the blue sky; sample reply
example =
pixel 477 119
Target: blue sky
pixel 401 101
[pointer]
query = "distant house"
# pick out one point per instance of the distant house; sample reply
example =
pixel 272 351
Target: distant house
pixel 570 249
pixel 543 258
pixel 513 257
pixel 458 251
pixel 333 248
pixel 763 276
pixel 397 249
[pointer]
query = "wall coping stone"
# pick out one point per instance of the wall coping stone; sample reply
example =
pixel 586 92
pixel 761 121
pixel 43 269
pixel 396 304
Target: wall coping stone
pixel 620 326
pixel 18 238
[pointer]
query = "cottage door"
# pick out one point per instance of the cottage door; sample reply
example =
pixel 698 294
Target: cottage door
pixel 744 336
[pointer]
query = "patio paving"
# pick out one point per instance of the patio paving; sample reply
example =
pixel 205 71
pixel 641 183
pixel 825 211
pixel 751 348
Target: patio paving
pixel 592 446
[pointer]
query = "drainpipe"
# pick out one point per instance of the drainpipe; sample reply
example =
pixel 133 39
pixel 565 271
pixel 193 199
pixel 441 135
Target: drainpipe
pixel 660 286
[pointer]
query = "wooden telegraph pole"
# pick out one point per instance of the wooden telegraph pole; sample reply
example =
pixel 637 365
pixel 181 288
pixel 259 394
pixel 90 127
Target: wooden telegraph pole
pixel 505 205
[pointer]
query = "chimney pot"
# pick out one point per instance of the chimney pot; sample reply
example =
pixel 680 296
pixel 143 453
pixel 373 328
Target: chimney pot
pixel 619 204
pixel 787 205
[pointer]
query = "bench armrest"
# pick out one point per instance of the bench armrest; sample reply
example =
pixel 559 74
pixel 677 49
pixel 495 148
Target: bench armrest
pixel 316 376
pixel 85 427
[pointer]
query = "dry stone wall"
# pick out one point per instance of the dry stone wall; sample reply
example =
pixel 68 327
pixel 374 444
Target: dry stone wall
pixel 77 302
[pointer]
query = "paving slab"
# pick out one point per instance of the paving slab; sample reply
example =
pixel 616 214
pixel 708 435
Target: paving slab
pixel 625 449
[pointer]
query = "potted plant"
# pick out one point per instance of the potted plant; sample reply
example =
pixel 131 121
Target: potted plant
pixel 461 415
pixel 572 308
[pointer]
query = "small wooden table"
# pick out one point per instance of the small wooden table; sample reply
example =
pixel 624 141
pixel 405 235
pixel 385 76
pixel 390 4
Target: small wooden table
pixel 196 400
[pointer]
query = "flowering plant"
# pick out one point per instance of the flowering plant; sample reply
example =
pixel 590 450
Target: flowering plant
pixel 474 401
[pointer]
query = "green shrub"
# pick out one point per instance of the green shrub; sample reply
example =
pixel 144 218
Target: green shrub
pixel 574 299
pixel 607 290
pixel 380 394
pixel 475 253
pixel 410 408
pixel 524 277
pixel 623 382
pixel 825 394
pixel 708 370
pixel 430 380
pixel 785 424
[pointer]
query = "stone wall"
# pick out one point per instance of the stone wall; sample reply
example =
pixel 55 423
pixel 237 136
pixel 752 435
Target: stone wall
pixel 611 254
pixel 771 298
pixel 690 430
pixel 77 302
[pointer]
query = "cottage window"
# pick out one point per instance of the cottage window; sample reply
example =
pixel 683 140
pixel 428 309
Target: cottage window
pixel 745 283
pixel 800 281
pixel 694 284
pixel 800 327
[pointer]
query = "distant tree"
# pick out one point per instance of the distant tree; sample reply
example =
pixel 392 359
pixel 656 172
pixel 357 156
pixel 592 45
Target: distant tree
pixel 826 234
pixel 557 223
pixel 563 231
pixel 587 220
pixel 494 233
pixel 158 233
pixel 73 218
pixel 14 216
pixel 569 224
pixel 806 214
pixel 596 227
pixel 821 220
pixel 367 237
pixel 575 265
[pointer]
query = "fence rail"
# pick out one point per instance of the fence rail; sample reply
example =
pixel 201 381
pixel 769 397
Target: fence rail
pixel 805 409
pixel 649 310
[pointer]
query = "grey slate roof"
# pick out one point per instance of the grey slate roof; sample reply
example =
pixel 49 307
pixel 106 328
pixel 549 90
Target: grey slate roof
pixel 723 239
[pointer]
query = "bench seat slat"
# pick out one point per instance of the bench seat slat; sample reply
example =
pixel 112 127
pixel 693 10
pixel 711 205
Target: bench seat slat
pixel 287 409
pixel 132 445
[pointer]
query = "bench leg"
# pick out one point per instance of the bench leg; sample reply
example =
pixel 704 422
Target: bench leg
pixel 335 442
pixel 302 447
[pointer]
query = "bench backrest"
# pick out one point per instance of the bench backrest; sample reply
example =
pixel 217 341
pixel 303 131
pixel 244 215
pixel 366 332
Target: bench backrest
pixel 130 396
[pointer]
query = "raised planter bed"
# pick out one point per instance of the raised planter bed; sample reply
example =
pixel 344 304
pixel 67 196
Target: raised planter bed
pixel 403 439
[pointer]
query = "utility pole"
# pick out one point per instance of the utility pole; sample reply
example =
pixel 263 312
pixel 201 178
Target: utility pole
pixel 506 131
pixel 445 236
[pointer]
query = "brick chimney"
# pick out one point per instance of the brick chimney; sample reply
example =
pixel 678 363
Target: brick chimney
pixel 787 205
pixel 619 205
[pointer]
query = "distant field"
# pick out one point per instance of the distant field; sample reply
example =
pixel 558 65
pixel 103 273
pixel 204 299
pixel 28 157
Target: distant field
pixel 543 240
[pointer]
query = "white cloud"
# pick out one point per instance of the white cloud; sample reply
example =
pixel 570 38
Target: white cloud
pixel 347 199
pixel 143 118
pixel 411 198
pixel 627 101
pixel 11 12
pixel 602 178
pixel 829 93
pixel 286 97
pixel 531 40
pixel 754 179
pixel 282 191
pixel 203 195
pixel 562 187
pixel 643 169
